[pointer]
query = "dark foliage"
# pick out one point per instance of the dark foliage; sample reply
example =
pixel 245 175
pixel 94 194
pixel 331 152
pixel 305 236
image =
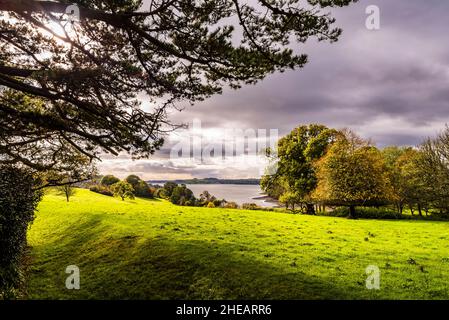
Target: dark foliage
pixel 109 180
pixel 250 206
pixel 18 202
pixel 141 188
pixel 102 190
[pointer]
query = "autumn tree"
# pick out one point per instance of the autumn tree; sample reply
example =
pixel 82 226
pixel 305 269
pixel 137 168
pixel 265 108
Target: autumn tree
pixel 399 164
pixel 352 173
pixel 413 188
pixel 295 174
pixel 433 167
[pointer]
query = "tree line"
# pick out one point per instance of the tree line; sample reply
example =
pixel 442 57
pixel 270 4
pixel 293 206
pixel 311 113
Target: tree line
pixel 319 166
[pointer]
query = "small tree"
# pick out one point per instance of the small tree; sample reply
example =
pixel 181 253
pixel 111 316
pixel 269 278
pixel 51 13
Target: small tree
pixel 67 190
pixel 290 199
pixel 206 197
pixel 211 205
pixel 123 190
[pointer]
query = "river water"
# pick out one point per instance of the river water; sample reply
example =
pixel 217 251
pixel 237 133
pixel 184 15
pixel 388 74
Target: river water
pixel 233 192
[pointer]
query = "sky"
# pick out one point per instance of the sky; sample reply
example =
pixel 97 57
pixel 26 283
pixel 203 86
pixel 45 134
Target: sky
pixel 389 85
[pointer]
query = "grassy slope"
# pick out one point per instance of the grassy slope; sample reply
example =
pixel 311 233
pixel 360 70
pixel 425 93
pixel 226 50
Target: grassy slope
pixel 153 250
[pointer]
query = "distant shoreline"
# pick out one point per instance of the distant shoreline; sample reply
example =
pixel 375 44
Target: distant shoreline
pixel 267 199
pixel 210 181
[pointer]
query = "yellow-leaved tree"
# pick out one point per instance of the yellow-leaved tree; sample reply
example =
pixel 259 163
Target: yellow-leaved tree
pixel 352 173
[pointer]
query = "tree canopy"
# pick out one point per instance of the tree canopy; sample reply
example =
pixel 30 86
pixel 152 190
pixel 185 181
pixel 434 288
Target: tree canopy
pixel 295 177
pixel 123 190
pixel 352 173
pixel 68 89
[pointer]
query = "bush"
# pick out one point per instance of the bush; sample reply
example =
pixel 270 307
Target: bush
pixel 102 190
pixel 180 195
pixel 250 206
pixel 109 180
pixel 211 205
pixel 231 205
pixel 18 202
pixel 160 193
pixel 141 188
pixel 169 187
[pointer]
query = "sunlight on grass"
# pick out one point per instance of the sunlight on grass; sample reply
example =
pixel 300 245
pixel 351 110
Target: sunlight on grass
pixel 151 249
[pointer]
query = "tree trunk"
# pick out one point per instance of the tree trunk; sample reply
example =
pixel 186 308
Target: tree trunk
pixel 352 213
pixel 411 209
pixel 419 210
pixel 310 209
pixel 67 197
pixel 401 208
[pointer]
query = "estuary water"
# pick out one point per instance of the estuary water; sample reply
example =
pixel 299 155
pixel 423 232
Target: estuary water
pixel 234 192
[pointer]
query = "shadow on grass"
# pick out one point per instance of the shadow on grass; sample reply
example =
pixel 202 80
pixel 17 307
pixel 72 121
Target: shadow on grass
pixel 131 267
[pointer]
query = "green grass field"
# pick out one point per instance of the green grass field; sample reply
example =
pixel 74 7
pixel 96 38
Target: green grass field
pixel 151 249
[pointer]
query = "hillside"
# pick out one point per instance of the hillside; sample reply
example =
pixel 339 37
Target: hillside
pixel 151 249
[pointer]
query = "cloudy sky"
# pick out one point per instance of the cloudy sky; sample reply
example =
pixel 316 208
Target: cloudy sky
pixel 390 85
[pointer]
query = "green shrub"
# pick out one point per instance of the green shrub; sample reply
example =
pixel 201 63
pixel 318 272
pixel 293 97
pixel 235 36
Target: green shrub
pixel 180 195
pixel 109 180
pixel 231 205
pixel 141 188
pixel 160 193
pixel 18 202
pixel 101 190
pixel 250 206
pixel 211 205
pixel 189 203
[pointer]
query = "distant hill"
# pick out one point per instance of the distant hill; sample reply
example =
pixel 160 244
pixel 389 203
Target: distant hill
pixel 210 181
